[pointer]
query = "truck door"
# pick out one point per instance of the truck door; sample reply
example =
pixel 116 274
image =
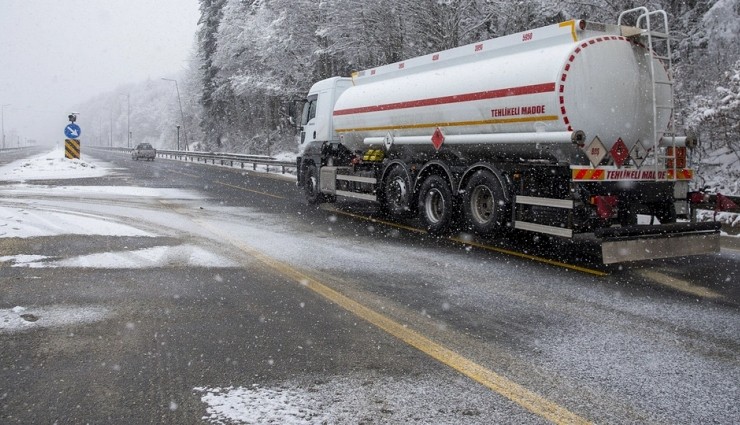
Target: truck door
pixel 308 119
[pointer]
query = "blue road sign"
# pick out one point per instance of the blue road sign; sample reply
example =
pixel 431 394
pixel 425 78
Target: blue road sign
pixel 72 131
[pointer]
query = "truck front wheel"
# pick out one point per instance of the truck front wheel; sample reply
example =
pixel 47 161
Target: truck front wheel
pixel 311 185
pixel 436 204
pixel 483 203
pixel 396 200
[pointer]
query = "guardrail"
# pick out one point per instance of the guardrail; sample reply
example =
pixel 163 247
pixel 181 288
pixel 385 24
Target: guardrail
pixel 17 148
pixel 222 158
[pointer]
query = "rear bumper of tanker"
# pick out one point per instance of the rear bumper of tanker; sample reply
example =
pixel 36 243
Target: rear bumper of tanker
pixel 635 243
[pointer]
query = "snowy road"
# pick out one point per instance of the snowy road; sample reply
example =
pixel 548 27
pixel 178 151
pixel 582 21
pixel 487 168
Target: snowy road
pixel 166 292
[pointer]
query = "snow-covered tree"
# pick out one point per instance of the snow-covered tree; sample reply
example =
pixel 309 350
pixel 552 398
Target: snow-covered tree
pixel 212 121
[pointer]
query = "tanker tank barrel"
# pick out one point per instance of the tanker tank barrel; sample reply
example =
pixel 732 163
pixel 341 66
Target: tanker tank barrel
pixel 493 138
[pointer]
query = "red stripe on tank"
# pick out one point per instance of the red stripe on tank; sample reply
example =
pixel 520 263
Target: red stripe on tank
pixel 458 98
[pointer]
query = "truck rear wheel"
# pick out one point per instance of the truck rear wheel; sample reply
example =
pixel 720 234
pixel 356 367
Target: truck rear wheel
pixel 483 203
pixel 436 204
pixel 665 213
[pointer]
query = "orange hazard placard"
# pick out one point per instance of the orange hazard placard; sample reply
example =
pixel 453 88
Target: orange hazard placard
pixel 685 174
pixel 680 157
pixel 587 174
pixel 616 174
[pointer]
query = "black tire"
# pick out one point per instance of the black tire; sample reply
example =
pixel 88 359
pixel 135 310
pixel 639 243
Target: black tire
pixel 627 217
pixel 436 205
pixel 665 213
pixel 311 185
pixel 397 194
pixel 484 205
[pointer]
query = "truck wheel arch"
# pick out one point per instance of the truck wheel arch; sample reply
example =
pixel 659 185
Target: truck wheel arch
pixel 484 205
pixel 439 168
pixel 503 181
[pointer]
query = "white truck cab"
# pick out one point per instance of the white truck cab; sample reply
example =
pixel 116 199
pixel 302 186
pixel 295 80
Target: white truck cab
pixel 316 120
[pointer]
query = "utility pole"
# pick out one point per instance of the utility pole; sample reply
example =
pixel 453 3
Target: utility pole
pixel 128 118
pixel 182 116
pixel 2 118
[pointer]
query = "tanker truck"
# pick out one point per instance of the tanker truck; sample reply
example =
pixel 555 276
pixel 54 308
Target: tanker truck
pixel 566 130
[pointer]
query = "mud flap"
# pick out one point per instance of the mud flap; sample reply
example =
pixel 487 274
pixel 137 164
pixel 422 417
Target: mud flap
pixel 659 246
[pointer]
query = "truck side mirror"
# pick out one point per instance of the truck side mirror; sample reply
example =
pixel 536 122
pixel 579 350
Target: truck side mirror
pixel 295 107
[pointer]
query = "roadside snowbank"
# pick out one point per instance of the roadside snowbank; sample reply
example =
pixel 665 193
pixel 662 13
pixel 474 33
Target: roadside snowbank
pixel 51 165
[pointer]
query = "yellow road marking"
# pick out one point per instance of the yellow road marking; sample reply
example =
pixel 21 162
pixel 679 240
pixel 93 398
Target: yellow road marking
pixel 477 245
pixel 503 386
pixel 250 190
pixel 679 285
pixel 233 186
pixel 531 257
pixel 185 174
pixel 375 220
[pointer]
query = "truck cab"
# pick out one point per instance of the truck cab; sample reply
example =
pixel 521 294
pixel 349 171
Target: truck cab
pixel 316 119
pixel 317 132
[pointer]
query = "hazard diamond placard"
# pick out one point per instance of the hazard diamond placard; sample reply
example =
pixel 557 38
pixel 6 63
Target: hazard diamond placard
pixel 595 151
pixel 438 138
pixel 638 154
pixel 619 152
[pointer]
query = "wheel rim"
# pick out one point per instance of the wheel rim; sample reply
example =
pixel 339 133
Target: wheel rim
pixel 481 204
pixel 434 206
pixel 397 193
pixel 313 183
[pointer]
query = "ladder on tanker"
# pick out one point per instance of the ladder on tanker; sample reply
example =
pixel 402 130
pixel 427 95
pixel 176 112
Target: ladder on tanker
pixel 659 47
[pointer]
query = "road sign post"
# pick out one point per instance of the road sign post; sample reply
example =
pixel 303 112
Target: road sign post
pixel 72 143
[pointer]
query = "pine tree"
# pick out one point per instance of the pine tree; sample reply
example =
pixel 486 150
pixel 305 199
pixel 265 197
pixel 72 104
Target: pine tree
pixel 213 109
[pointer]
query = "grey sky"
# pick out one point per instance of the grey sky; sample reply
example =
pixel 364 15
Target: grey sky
pixel 57 53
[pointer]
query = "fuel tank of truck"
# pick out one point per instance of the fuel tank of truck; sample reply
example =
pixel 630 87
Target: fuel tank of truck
pixel 522 94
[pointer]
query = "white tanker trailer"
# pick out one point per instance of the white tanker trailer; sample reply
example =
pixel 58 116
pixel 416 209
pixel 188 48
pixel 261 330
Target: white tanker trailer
pixel 564 130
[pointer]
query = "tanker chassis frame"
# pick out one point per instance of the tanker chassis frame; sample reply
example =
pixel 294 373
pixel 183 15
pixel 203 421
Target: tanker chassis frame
pixel 485 184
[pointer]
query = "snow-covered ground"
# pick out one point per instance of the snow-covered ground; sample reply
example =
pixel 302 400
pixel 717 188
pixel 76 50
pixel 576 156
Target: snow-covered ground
pixel 29 219
pixel 51 165
pixel 38 210
pixel 19 319
pixel 337 399
pixel 340 400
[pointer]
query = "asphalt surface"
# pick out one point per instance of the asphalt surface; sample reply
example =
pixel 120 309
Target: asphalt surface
pixel 359 321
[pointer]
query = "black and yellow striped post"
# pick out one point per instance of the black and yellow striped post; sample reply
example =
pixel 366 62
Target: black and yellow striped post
pixel 72 148
pixel 72 143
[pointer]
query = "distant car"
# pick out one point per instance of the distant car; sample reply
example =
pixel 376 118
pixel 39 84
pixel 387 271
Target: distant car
pixel 143 151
